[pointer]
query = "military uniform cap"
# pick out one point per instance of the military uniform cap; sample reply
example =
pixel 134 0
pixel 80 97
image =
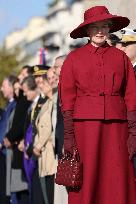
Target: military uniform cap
pixel 128 35
pixel 40 70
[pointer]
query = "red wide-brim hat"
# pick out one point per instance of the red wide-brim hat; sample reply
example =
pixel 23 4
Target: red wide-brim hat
pixel 96 14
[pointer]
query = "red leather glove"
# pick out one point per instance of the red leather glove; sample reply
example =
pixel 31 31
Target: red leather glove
pixel 69 138
pixel 131 143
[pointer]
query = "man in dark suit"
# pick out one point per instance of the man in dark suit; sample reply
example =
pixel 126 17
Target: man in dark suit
pixel 60 195
pixel 59 131
pixel 8 93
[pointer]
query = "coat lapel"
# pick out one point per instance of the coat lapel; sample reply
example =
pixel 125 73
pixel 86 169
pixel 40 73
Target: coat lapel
pixel 43 110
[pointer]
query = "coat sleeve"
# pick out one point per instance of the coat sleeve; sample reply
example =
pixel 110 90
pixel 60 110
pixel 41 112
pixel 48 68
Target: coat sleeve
pixel 67 87
pixel 44 128
pixel 67 94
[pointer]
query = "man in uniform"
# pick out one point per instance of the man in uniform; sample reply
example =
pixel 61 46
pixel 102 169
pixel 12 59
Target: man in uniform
pixel 39 70
pixel 129 44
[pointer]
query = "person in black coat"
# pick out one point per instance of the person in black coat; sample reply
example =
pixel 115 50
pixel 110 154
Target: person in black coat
pixel 16 134
pixel 31 91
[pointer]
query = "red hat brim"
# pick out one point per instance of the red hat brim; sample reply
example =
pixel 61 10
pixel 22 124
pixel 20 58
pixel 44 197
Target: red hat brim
pixel 119 22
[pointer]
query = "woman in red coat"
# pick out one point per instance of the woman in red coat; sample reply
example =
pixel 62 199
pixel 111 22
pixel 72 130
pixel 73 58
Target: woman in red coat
pixel 98 95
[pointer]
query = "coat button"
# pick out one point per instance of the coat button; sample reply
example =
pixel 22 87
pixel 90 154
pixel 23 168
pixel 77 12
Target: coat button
pixel 101 93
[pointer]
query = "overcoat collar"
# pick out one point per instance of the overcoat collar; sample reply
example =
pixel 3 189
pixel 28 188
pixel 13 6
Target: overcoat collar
pixel 98 50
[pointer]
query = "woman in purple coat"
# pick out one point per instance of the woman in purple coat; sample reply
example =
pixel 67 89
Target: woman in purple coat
pixel 98 95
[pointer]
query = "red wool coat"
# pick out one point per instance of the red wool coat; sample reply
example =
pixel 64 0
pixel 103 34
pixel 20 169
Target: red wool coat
pixel 102 78
pixel 99 85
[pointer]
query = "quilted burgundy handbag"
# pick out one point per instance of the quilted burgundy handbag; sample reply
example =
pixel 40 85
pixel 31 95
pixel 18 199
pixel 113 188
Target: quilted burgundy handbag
pixel 70 171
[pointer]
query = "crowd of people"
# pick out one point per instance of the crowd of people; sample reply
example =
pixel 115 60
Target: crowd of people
pixel 37 126
pixel 31 136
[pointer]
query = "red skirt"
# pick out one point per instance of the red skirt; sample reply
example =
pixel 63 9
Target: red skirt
pixel 108 175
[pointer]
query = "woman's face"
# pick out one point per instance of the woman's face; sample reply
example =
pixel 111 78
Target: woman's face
pixel 98 32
